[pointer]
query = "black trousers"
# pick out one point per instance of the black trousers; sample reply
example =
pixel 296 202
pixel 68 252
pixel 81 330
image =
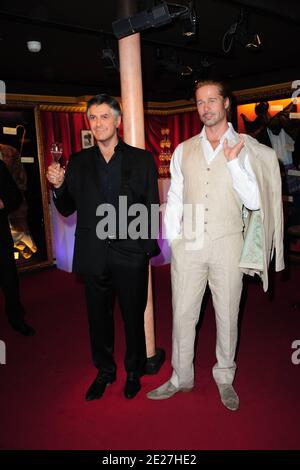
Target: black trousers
pixel 124 276
pixel 9 282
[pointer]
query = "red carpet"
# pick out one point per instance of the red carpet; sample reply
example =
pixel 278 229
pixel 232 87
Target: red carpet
pixel 45 378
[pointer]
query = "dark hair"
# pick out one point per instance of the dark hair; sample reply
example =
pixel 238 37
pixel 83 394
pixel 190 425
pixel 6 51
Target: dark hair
pixel 223 88
pixel 261 108
pixel 104 98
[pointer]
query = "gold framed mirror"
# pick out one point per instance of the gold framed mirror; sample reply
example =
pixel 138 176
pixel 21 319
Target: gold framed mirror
pixel 21 149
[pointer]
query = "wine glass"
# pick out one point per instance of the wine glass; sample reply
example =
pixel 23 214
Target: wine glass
pixel 56 151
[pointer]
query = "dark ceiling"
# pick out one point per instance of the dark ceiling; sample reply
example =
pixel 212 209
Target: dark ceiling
pixel 74 34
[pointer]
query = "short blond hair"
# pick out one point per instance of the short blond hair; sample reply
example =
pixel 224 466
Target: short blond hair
pixel 223 87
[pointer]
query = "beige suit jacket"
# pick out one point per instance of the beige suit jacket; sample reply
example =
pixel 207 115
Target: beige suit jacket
pixel 265 166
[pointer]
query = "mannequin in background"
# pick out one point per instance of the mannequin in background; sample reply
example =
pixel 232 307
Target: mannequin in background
pixel 10 200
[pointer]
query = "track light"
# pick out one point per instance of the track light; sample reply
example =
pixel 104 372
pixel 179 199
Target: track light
pixel 254 43
pixel 248 40
pixel 170 62
pixel 240 33
pixel 110 59
pixel 189 21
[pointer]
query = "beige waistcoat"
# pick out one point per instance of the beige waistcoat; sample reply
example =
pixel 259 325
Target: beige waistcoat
pixel 209 187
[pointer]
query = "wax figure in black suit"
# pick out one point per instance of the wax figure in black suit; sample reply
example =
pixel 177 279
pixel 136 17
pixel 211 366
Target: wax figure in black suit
pixel 97 176
pixel 10 200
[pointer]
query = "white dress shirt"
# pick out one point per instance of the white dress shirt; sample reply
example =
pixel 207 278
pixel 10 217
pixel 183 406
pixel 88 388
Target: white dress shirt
pixel 243 180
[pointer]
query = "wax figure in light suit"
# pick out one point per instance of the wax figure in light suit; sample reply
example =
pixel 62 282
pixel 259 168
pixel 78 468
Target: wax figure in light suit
pixel 116 265
pixel 235 183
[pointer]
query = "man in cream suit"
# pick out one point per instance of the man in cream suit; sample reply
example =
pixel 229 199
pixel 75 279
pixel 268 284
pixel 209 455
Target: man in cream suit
pixel 217 174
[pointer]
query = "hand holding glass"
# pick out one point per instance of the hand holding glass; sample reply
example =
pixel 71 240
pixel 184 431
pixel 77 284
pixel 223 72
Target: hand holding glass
pixel 56 151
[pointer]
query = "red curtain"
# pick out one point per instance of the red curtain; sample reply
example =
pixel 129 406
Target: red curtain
pixel 181 126
pixel 62 127
pixel 65 127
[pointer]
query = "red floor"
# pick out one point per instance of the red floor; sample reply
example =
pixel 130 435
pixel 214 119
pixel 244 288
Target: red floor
pixel 45 378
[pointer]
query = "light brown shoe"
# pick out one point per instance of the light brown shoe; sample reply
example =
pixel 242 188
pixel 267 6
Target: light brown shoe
pixel 165 391
pixel 229 396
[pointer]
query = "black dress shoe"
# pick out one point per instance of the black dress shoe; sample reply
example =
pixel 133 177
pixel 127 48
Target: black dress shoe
pixel 132 386
pixel 154 363
pixel 98 387
pixel 23 328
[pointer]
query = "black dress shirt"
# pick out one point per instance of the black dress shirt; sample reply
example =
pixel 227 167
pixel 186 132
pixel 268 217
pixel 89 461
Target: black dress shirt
pixel 110 181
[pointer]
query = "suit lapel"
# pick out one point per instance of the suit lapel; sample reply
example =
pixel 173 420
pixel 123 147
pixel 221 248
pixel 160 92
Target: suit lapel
pixel 93 168
pixel 251 150
pixel 126 168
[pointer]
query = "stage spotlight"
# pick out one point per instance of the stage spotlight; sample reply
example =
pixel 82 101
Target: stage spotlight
pixel 189 22
pixel 110 59
pixel 240 33
pixel 254 43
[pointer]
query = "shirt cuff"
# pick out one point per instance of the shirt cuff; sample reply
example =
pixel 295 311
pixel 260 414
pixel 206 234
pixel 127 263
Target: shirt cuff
pixel 234 167
pixel 172 237
pixel 58 191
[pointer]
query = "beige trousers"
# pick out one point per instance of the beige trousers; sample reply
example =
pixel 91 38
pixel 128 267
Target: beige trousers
pixel 216 263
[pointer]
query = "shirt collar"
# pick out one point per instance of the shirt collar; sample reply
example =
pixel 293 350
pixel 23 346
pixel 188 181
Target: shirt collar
pixel 118 147
pixel 230 134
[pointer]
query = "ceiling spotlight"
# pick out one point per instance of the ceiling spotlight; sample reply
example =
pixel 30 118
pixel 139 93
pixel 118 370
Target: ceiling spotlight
pixel 189 21
pixel 255 43
pixel 250 41
pixel 240 33
pixel 170 65
pixel 110 59
pixel 170 62
pixel 186 71
pixel 34 46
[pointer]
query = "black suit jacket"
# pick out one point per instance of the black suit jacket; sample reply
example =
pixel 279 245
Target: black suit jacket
pixel 12 198
pixel 82 191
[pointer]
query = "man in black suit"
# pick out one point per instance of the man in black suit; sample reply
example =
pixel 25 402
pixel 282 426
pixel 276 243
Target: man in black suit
pixel 10 200
pixel 105 180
